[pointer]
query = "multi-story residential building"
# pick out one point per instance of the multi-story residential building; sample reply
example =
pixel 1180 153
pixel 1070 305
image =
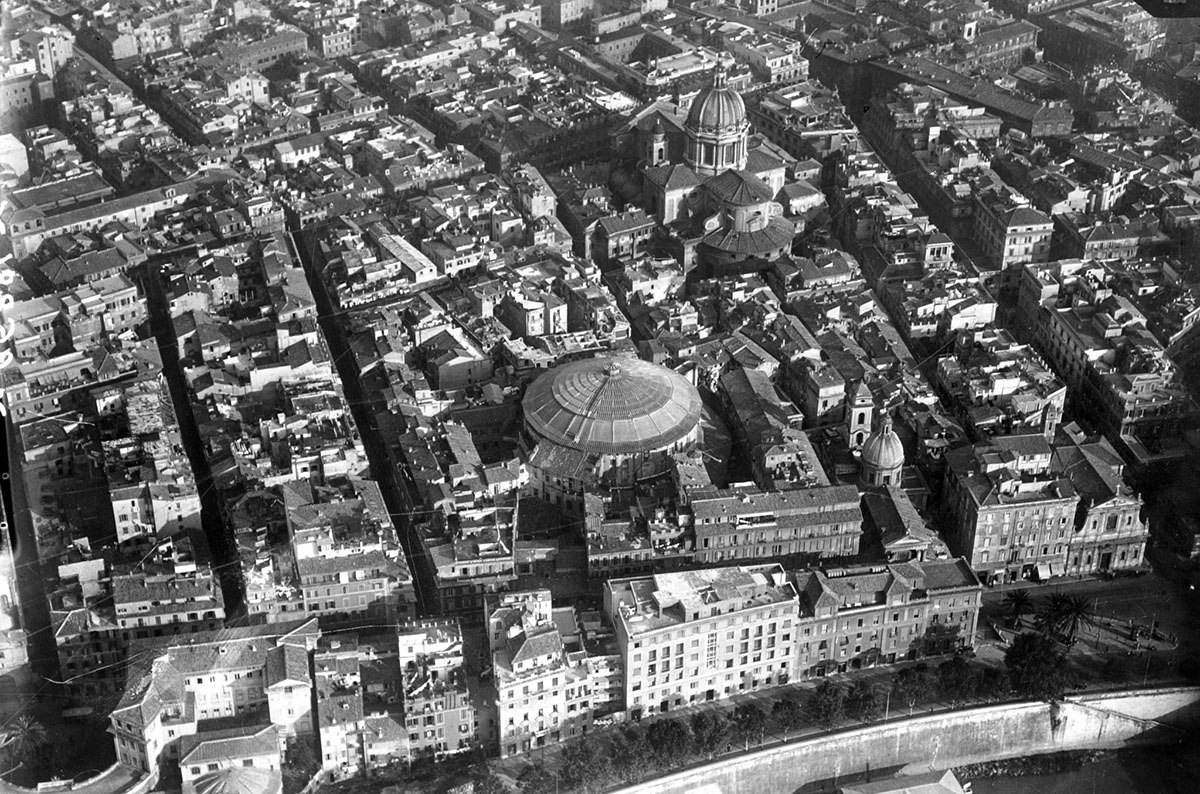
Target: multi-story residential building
pixel 751 524
pixel 824 392
pixel 498 17
pixel 694 636
pixel 171 602
pixel 1000 47
pixel 439 711
pixel 1119 375
pixel 767 428
pixel 773 58
pixel 562 13
pixel 1011 234
pixel 472 553
pixel 359 711
pixel 1036 118
pixel 1083 236
pixel 49 46
pixel 260 54
pixel 28 228
pixel 149 477
pixel 805 120
pixel 77 318
pixel 1008 512
pixel 540 672
pixel 348 559
pixel 258 673
pixel 999 387
pixel 858 617
pixel 625 538
pixel 530 311
pixel 1110 31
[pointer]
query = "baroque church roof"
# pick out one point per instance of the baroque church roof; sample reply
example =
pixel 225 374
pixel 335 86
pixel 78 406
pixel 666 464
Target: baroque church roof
pixel 717 107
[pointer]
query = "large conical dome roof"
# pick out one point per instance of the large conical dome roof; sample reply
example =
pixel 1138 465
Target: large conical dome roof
pixel 612 406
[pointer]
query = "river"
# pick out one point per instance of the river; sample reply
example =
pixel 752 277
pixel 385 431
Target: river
pixel 1164 770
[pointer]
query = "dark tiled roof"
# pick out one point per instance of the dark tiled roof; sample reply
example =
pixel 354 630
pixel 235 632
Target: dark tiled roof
pixel 739 188
pixel 543 641
pixel 287 663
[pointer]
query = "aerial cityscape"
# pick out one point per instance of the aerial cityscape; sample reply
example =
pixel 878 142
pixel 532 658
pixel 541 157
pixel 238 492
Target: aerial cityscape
pixel 674 396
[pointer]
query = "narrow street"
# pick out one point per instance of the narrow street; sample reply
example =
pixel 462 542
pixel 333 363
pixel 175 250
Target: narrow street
pixel 34 611
pixel 220 536
pixel 365 409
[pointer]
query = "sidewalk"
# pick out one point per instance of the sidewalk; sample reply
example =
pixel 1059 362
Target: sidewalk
pixel 550 757
pixel 510 769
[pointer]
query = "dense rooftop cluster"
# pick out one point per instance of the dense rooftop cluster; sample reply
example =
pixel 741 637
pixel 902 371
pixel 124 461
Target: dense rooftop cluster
pixel 654 341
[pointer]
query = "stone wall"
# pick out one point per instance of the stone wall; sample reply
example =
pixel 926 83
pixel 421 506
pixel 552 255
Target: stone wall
pixel 941 741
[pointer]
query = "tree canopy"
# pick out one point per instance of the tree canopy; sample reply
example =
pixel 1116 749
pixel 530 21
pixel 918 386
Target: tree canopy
pixel 910 686
pixel 863 702
pixel 1037 668
pixel 711 732
pixel 827 705
pixel 671 739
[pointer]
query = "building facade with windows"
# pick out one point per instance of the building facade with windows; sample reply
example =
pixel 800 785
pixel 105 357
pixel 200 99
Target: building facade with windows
pixel 1010 514
pixel 751 524
pixel 543 685
pixel 860 617
pixel 689 637
pixel 173 689
pixel 439 712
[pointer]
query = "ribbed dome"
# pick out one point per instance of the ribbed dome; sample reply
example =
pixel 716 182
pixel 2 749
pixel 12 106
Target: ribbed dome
pixel 883 450
pixel 717 107
pixel 240 780
pixel 611 406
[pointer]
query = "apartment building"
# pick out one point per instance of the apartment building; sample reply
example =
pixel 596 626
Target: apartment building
pixel 859 617
pixel 158 604
pixel 752 524
pixel 439 712
pixel 1009 513
pixel 258 673
pixel 542 680
pixel 1119 374
pixel 693 636
pixel 348 560
pixel 359 713
pixel 1011 234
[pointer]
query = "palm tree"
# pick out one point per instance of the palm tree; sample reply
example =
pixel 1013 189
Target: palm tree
pixel 1050 617
pixel 1020 603
pixel 1077 611
pixel 24 736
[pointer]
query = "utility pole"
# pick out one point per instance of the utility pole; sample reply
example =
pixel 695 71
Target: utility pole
pixel 887 706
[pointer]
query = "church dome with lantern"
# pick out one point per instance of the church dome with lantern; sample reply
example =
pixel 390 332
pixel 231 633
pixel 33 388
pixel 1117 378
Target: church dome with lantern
pixel 883 455
pixel 717 128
